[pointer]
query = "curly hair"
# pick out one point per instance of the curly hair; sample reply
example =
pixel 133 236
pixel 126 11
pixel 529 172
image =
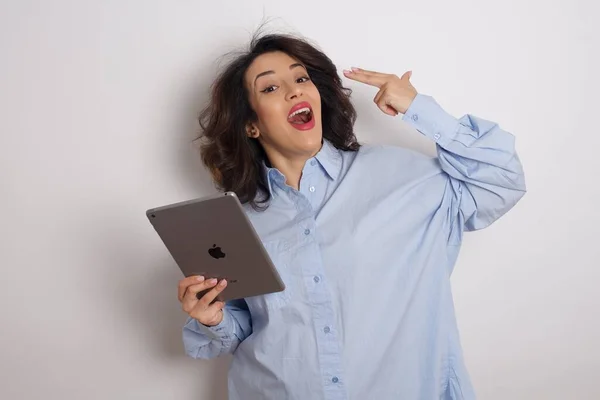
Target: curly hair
pixel 235 160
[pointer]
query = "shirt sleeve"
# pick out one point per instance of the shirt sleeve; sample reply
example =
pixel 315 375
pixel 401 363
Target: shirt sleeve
pixel 206 342
pixel 485 173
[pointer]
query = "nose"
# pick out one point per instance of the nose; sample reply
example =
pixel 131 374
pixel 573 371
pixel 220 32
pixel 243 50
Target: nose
pixel 294 91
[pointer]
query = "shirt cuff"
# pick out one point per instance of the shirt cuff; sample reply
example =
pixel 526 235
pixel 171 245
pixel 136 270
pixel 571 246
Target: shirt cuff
pixel 428 117
pixel 222 331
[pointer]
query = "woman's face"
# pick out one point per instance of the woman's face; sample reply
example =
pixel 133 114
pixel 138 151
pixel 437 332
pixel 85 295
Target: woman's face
pixel 288 106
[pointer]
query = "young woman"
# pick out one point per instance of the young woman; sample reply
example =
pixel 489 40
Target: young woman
pixel 364 237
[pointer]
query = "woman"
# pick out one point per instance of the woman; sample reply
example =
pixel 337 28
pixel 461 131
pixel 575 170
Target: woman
pixel 364 237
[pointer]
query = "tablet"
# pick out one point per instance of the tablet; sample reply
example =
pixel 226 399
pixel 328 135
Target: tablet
pixel 212 236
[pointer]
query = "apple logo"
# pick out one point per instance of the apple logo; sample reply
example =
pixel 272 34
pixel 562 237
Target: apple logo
pixel 215 252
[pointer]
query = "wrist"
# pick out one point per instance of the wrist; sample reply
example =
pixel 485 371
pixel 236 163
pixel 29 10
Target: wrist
pixel 216 323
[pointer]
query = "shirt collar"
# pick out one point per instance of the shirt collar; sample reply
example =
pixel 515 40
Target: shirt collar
pixel 328 157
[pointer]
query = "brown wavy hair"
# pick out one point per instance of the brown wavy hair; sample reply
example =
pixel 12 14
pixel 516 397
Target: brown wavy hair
pixel 234 159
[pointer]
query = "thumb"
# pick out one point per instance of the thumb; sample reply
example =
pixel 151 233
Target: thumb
pixel 406 75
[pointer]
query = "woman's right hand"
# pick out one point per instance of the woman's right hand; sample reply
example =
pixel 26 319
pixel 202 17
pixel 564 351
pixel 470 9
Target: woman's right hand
pixel 201 309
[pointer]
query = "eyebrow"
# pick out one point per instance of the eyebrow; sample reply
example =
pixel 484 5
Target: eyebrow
pixel 272 72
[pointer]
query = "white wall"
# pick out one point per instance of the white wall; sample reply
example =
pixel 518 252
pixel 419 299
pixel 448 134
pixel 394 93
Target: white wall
pixel 98 103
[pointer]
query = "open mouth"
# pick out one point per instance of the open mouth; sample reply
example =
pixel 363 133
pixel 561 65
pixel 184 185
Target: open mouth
pixel 301 116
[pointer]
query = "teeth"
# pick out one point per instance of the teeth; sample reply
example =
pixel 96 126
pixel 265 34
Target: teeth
pixel 302 110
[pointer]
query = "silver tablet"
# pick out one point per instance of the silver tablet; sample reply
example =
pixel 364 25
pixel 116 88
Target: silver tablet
pixel 213 237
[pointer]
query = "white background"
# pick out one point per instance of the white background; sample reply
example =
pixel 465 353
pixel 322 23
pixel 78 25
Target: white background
pixel 98 105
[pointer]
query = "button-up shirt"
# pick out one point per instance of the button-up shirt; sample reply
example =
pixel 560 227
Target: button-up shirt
pixel 366 248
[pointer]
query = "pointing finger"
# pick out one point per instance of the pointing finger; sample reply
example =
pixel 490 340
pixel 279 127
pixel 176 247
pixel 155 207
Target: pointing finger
pixel 373 79
pixel 367 72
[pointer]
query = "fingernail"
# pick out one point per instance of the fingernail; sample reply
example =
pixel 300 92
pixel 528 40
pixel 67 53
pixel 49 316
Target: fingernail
pixel 213 281
pixel 355 69
pixel 200 278
pixel 347 71
pixel 223 282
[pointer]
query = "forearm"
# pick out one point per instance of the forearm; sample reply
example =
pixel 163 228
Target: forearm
pixel 478 156
pixel 208 342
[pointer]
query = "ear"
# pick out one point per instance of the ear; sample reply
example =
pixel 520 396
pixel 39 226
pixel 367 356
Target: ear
pixel 252 130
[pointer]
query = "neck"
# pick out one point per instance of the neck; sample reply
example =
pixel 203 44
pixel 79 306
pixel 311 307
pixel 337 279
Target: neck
pixel 291 168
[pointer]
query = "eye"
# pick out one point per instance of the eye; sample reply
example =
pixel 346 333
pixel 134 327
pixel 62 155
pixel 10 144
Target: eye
pixel 269 89
pixel 303 79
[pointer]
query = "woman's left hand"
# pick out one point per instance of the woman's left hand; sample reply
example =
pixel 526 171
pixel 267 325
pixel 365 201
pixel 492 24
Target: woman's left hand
pixel 395 94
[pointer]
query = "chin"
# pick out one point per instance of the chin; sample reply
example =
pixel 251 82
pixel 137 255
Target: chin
pixel 312 142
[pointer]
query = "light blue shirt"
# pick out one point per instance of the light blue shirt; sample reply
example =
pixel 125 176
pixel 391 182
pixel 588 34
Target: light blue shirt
pixel 366 248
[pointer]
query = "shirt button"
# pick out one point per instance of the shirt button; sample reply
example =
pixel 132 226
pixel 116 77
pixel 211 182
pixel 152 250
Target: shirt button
pixel 415 117
pixel 307 231
pixel 326 329
pixel 335 379
pixel 313 163
pixel 316 279
pixel 436 136
pixel 312 188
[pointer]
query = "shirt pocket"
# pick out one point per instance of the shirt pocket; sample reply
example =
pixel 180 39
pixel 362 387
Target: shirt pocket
pixel 279 253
